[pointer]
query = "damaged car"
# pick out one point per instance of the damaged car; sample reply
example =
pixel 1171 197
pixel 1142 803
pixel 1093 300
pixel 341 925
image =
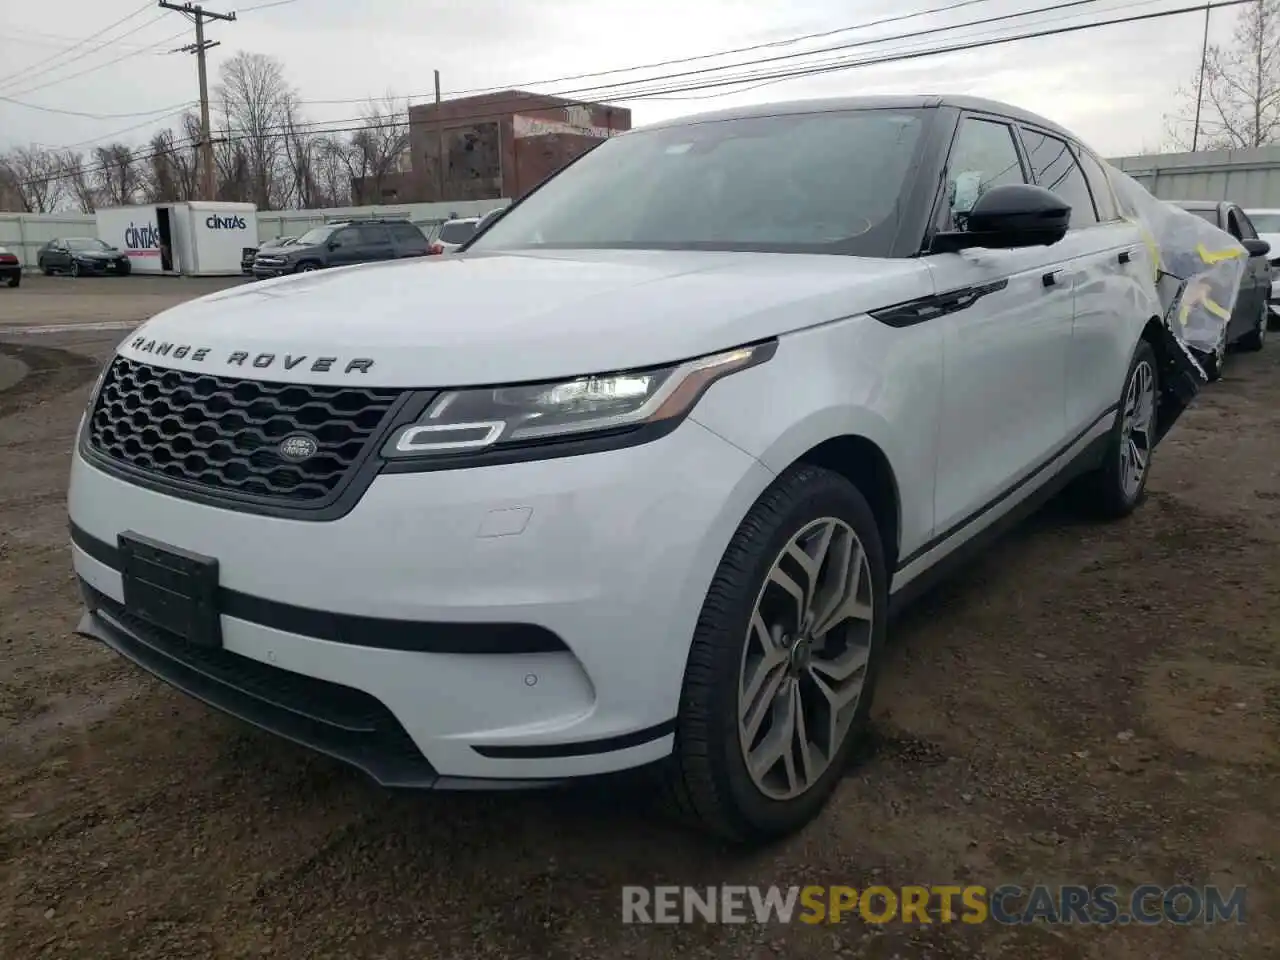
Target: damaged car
pixel 635 478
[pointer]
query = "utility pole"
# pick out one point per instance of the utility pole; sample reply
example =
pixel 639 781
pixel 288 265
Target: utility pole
pixel 439 143
pixel 199 15
pixel 1204 58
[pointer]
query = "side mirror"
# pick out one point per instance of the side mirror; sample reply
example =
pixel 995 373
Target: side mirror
pixel 1257 248
pixel 1009 216
pixel 334 244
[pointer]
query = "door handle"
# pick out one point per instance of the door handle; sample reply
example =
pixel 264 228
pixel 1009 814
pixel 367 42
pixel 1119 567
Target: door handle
pixel 1052 277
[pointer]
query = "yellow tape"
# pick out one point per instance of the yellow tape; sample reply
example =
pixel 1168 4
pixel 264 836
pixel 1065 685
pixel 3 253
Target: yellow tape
pixel 1156 263
pixel 1217 256
pixel 1217 309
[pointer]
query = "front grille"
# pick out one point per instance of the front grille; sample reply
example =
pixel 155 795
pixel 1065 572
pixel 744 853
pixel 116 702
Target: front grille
pixel 223 433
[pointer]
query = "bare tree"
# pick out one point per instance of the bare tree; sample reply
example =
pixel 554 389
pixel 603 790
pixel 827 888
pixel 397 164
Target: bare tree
pixel 301 147
pixel 332 172
pixel 118 172
pixel 173 173
pixel 78 180
pixel 255 104
pixel 377 147
pixel 1240 95
pixel 34 177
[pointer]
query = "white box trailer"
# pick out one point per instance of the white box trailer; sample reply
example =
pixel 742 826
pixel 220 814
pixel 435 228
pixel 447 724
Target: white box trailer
pixel 192 238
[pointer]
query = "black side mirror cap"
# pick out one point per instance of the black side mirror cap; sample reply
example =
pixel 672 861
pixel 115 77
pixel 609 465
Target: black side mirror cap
pixel 1007 217
pixel 1257 248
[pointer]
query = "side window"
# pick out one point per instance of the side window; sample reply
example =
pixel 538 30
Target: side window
pixel 371 235
pixel 1246 225
pixel 406 234
pixel 1054 168
pixel 1100 186
pixel 983 156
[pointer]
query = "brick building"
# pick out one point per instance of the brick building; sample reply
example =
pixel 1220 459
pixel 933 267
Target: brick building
pixel 502 144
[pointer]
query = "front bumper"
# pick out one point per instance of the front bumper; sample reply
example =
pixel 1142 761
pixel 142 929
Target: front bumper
pixel 529 621
pixel 264 271
pixel 105 267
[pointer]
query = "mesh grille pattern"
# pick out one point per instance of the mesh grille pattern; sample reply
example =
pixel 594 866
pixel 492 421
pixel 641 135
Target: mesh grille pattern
pixel 224 433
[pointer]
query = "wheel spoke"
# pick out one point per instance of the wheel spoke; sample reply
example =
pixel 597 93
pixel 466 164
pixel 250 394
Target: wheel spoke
pixel 778 576
pixel 777 742
pixel 850 607
pixel 838 669
pixel 811 563
pixel 808 764
pixel 839 699
pixel 758 707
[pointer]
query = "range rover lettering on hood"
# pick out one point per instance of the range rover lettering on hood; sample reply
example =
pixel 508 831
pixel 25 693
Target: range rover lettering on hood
pixel 259 361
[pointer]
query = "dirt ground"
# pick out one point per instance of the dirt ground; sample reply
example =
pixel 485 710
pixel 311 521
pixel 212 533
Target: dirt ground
pixel 1088 704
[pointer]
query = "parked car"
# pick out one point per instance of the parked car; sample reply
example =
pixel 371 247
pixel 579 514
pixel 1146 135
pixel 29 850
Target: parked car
pixel 248 254
pixel 1267 223
pixel 342 243
pixel 1251 316
pixel 78 256
pixel 10 267
pixel 453 234
pixel 638 483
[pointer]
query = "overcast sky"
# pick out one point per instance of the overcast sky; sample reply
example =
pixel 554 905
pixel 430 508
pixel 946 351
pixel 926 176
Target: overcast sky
pixel 1111 85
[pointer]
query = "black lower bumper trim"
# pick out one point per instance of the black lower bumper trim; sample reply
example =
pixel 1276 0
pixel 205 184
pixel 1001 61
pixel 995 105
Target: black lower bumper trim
pixel 333 719
pixel 360 631
pixel 584 748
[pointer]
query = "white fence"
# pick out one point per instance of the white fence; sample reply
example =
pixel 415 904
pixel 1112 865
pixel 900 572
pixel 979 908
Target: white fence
pixel 25 233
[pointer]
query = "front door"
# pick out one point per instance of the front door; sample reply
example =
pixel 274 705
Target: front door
pixel 1005 354
pixel 1255 285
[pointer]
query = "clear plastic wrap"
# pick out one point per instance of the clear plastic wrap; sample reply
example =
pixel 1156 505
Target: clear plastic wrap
pixel 1198 268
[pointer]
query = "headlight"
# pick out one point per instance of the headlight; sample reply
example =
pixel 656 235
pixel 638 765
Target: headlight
pixel 499 418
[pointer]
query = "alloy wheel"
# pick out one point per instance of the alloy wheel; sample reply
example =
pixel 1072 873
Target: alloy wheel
pixel 1137 428
pixel 804 663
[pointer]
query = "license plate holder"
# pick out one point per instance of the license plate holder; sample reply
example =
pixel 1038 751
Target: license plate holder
pixel 171 588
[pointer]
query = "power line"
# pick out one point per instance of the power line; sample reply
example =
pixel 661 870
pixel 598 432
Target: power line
pixel 101 66
pixel 51 63
pixel 794 71
pixel 945 8
pixel 94 116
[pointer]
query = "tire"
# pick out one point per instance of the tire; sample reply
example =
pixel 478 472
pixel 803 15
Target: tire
pixel 307 266
pixel 15 280
pixel 707 780
pixel 45 269
pixel 1109 491
pixel 1256 338
pixel 75 268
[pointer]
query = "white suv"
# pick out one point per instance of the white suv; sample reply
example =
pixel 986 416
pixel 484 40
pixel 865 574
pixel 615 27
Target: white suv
pixel 637 478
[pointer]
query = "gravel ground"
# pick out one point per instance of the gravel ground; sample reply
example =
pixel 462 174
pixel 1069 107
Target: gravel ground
pixel 1087 704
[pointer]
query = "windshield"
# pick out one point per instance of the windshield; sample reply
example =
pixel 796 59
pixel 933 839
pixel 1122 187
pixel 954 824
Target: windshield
pixel 813 182
pixel 86 243
pixel 1266 222
pixel 315 235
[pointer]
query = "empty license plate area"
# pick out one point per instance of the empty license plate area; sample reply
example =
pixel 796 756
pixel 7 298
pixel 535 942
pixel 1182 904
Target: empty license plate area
pixel 171 588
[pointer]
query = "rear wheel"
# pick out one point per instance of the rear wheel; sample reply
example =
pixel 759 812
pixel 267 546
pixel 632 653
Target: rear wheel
pixel 1116 487
pixel 782 669
pixel 1256 338
pixel 15 280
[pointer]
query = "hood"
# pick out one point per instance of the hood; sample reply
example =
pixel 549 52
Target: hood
pixel 505 317
pixel 98 254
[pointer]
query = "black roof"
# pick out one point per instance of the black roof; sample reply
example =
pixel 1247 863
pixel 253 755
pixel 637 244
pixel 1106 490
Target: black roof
pixel 881 102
